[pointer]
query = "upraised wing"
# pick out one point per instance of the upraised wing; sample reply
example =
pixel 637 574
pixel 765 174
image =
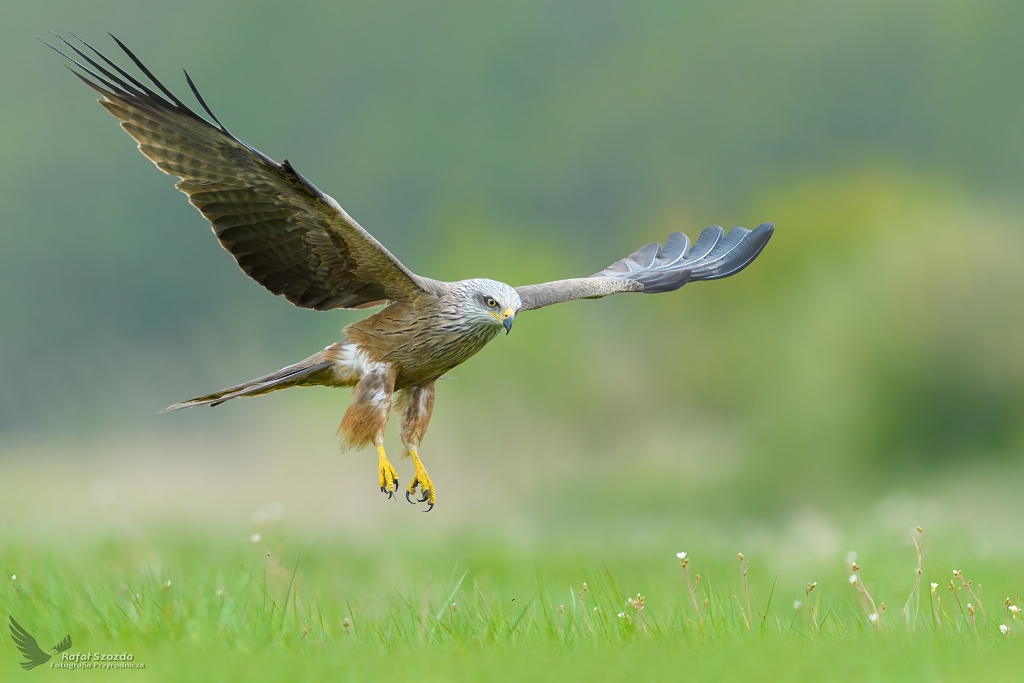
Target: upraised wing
pixel 28 646
pixel 284 233
pixel 63 645
pixel 655 268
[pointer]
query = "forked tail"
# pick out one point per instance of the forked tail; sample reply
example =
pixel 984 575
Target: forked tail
pixel 319 369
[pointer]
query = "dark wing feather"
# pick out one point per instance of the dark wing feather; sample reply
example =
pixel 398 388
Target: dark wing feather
pixel 28 646
pixel 284 233
pixel 654 268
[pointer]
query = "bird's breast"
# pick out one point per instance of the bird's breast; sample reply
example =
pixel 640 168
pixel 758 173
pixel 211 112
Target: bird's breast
pixel 421 344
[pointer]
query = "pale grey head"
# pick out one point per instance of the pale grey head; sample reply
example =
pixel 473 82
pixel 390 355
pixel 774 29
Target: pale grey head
pixel 487 303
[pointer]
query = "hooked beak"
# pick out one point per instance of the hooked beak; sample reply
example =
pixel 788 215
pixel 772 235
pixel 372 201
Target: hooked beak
pixel 507 319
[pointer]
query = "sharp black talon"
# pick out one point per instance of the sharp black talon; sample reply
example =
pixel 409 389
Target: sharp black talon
pixel 424 498
pixel 429 508
pixel 407 492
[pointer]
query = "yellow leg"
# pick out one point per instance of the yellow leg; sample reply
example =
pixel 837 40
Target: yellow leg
pixel 388 475
pixel 422 479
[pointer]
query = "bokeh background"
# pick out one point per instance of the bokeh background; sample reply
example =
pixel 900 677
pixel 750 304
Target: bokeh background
pixel 865 375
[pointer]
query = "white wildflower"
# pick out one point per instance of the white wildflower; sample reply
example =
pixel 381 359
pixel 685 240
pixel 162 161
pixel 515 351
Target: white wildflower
pixel 1002 629
pixel 167 585
pixel 255 538
pixel 970 606
pixel 622 615
pixel 1013 608
pixel 934 585
pixel 873 617
pixel 681 555
pixel 14 577
pixel 853 578
pixel 796 604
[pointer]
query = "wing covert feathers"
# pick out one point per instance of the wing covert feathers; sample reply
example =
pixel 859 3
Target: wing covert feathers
pixel 654 268
pixel 284 233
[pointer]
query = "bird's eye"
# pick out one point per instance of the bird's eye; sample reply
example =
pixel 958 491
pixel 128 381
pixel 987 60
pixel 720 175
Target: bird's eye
pixel 491 302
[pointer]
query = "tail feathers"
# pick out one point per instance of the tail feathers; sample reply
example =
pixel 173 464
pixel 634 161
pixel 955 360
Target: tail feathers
pixel 312 371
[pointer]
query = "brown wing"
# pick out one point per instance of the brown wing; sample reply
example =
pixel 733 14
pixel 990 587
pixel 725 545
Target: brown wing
pixel 655 268
pixel 284 233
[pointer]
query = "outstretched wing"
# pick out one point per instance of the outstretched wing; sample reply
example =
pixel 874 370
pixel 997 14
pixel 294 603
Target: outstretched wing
pixel 655 268
pixel 64 644
pixel 28 646
pixel 284 233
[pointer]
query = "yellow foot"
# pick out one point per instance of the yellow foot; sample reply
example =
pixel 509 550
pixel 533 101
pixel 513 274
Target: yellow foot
pixel 422 479
pixel 388 475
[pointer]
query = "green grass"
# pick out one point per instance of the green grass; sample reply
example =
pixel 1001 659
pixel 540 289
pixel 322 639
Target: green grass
pixel 234 610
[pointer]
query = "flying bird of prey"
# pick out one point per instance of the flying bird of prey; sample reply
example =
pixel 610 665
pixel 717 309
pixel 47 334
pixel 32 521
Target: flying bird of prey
pixel 28 646
pixel 298 242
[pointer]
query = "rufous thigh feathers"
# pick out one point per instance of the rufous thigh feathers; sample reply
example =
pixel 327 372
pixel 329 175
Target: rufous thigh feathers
pixel 368 413
pixel 417 404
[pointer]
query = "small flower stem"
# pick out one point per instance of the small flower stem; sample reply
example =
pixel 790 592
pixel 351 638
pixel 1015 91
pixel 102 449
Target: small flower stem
pixel 742 613
pixel 643 622
pixel 917 588
pixel 974 596
pixel 810 608
pixel 977 596
pixel 746 594
pixel 862 589
pixel 583 602
pixel 693 595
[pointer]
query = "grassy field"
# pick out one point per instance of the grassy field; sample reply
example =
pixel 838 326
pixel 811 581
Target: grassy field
pixel 201 606
pixel 153 554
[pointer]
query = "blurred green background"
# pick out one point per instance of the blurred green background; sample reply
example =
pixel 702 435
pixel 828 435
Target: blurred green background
pixel 866 372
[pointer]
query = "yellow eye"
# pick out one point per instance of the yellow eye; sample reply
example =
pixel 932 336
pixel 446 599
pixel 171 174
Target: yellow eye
pixel 492 303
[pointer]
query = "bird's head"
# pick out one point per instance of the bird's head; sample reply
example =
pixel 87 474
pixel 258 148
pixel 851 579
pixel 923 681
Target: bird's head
pixel 490 303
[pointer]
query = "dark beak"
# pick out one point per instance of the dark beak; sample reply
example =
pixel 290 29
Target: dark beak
pixel 507 322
